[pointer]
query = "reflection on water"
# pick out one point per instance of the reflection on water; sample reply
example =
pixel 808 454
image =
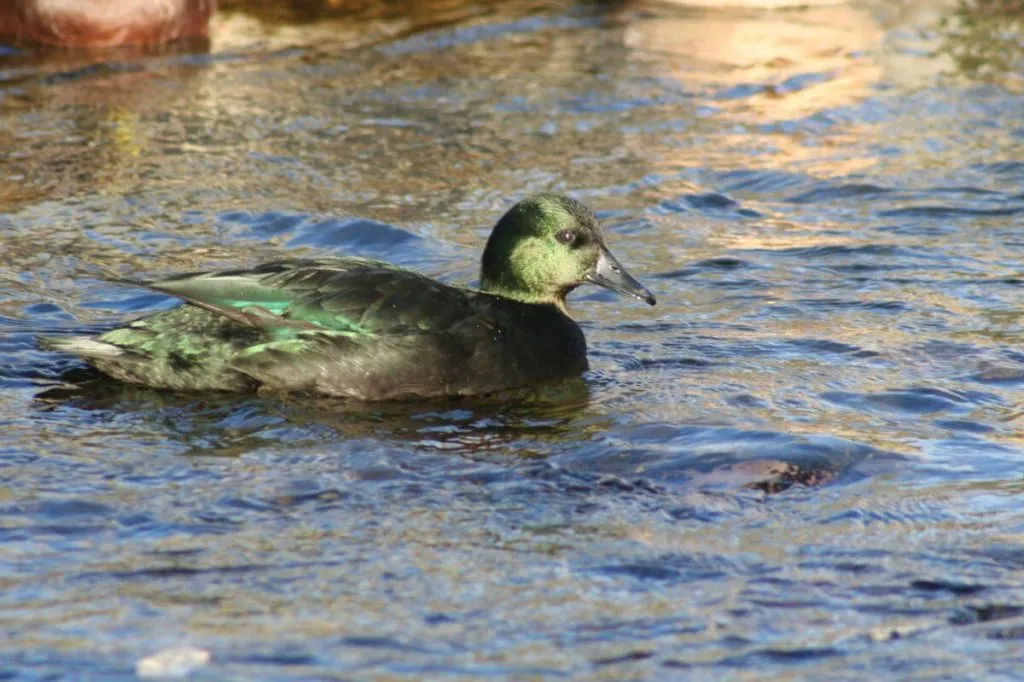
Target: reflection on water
pixel 805 460
pixel 763 67
pixel 471 425
pixel 985 40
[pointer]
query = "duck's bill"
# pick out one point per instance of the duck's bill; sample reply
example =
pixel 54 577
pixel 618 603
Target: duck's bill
pixel 610 275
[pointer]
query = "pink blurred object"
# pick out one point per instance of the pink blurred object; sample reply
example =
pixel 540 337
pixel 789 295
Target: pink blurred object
pixel 104 23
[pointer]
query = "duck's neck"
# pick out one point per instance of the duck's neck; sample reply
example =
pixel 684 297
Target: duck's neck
pixel 513 290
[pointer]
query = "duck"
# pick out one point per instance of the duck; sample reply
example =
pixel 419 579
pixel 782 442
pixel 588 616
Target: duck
pixel 104 23
pixel 371 331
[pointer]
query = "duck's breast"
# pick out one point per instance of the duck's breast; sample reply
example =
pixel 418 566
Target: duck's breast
pixel 496 349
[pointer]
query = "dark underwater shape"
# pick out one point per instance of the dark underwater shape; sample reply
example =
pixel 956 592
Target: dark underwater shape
pixel 369 330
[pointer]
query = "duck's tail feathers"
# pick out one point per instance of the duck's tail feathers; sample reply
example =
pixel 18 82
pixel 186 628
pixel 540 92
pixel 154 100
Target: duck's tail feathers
pixel 82 346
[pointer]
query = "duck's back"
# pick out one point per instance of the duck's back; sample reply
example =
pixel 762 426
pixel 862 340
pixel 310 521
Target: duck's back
pixel 348 327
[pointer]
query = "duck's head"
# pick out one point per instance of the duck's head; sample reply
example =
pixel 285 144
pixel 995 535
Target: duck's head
pixel 546 246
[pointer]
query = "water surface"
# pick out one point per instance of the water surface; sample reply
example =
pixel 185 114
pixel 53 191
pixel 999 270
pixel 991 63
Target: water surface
pixel 804 462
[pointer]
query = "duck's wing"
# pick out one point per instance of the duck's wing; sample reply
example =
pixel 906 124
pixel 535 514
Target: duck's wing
pixel 357 328
pixel 334 296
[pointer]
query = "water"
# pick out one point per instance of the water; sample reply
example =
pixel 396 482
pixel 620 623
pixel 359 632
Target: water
pixel 804 462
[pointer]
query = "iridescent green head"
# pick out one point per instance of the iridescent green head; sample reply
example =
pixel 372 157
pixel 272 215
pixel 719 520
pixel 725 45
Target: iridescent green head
pixel 546 246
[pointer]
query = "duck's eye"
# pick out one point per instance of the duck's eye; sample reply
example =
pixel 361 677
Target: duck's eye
pixel 566 237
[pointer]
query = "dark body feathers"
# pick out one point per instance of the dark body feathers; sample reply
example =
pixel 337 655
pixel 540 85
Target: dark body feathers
pixel 346 327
